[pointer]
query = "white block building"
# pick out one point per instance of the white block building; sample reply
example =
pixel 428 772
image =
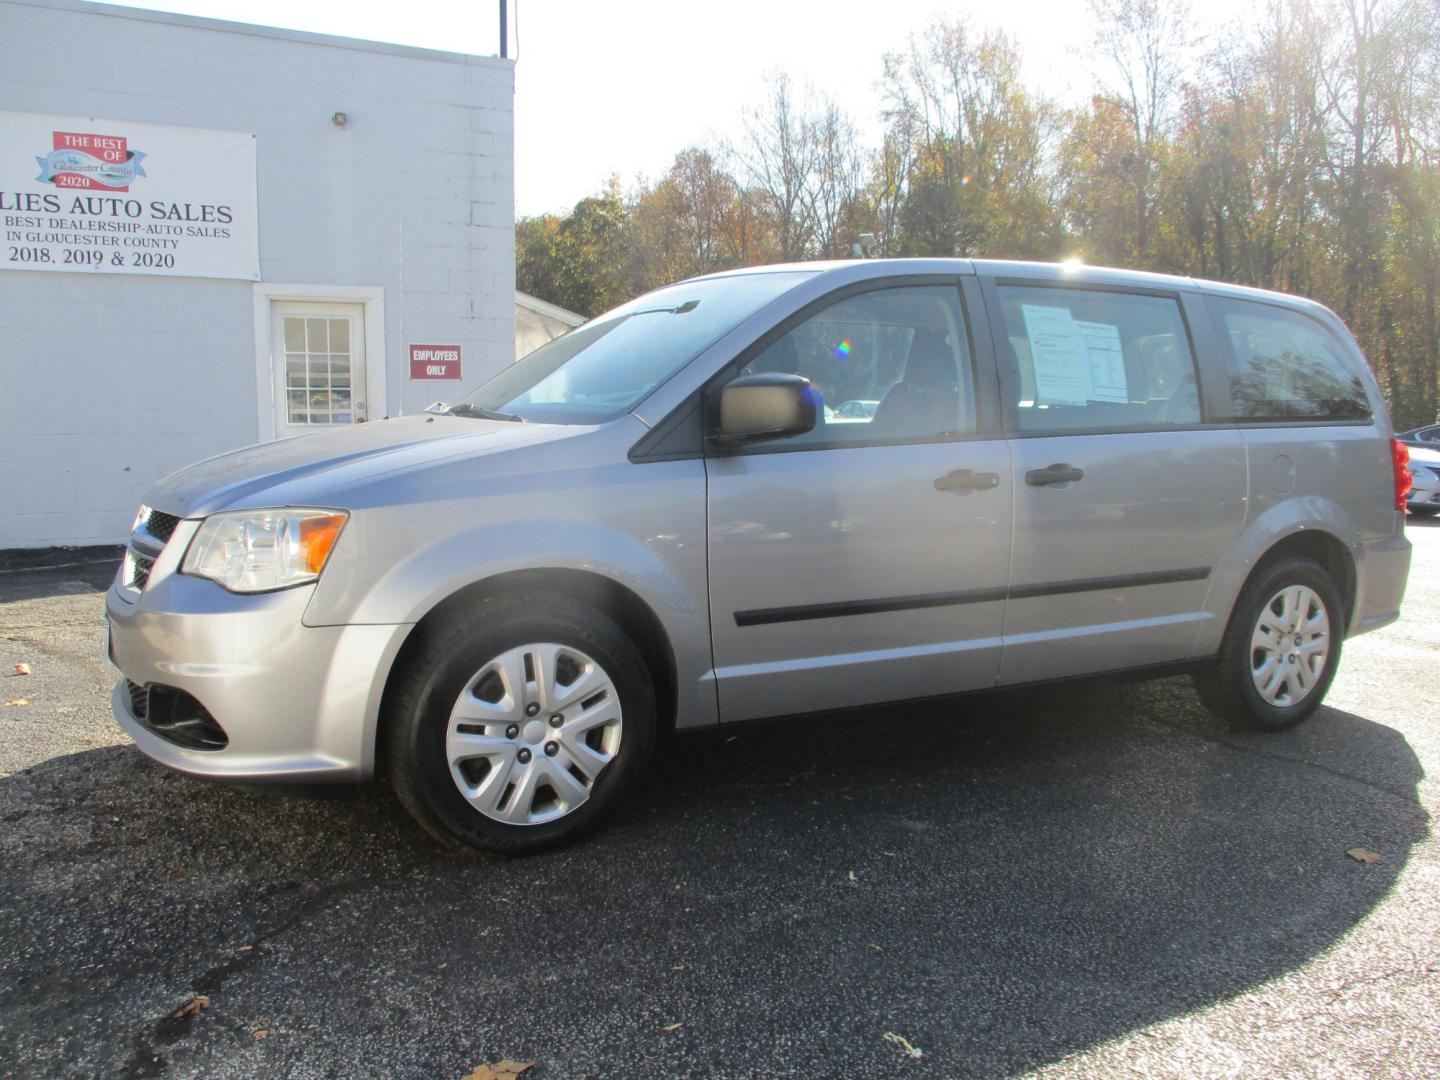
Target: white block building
pixel 213 234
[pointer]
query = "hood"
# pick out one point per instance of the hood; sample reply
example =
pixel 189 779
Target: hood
pixel 335 459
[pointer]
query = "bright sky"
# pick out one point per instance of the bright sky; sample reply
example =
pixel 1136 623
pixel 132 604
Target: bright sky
pixel 621 86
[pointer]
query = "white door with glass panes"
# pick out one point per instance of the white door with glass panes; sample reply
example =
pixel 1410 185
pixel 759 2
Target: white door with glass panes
pixel 317 366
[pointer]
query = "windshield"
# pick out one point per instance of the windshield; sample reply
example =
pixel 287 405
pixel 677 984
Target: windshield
pixel 601 370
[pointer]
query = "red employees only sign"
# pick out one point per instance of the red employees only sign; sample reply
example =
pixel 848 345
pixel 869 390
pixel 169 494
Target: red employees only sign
pixel 434 361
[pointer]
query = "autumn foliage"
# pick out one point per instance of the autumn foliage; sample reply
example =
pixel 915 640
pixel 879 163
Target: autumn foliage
pixel 1299 152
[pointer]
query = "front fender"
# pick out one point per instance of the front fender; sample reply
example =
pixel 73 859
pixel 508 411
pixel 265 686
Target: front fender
pixel 644 532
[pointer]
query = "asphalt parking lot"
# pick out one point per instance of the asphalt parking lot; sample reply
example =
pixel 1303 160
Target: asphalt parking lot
pixel 1084 881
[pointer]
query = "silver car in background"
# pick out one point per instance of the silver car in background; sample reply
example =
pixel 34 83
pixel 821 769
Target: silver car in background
pixel 1424 496
pixel 661 521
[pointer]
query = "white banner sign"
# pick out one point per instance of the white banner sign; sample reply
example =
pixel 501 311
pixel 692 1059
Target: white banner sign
pixel 115 197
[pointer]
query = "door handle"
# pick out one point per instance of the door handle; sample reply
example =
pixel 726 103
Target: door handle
pixel 967 480
pixel 1053 474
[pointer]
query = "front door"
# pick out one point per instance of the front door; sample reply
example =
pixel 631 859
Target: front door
pixel 1125 501
pixel 317 353
pixel 865 561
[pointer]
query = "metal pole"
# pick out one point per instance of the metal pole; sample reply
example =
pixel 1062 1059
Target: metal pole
pixel 504 32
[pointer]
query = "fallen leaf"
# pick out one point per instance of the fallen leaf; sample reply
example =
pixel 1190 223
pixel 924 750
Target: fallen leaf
pixel 1365 855
pixel 22 669
pixel 260 1033
pixel 246 948
pixel 689 911
pixel 19 702
pixel 913 1052
pixel 671 1027
pixel 677 967
pixel 193 1007
pixel 502 1070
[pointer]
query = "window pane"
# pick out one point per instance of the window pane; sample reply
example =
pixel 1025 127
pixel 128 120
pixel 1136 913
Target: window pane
pixel 1285 366
pixel 600 370
pixel 316 338
pixel 1098 360
pixel 340 335
pixel 889 364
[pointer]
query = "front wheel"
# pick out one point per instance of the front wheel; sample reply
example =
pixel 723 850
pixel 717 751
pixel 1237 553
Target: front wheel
pixel 518 724
pixel 1280 650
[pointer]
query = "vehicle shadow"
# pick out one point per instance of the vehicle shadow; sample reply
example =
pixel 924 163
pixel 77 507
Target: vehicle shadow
pixel 1004 880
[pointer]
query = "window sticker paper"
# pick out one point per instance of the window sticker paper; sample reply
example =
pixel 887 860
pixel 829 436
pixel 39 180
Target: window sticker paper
pixel 1106 362
pixel 1057 353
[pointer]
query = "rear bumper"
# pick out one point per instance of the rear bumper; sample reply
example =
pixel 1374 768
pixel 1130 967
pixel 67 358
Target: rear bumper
pixel 1380 584
pixel 296 703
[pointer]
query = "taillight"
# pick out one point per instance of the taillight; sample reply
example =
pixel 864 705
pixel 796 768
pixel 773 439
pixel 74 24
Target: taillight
pixel 1400 456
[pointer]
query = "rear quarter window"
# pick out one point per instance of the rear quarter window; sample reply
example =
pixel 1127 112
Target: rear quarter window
pixel 1286 366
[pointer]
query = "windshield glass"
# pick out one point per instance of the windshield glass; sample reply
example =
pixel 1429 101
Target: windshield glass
pixel 601 370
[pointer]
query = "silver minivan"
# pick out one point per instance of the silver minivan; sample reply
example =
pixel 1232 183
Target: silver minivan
pixel 675 517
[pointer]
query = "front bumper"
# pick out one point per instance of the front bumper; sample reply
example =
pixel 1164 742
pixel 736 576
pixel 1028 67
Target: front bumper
pixel 297 703
pixel 1424 498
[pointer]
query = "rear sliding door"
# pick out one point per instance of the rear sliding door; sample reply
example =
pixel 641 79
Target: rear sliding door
pixel 1125 499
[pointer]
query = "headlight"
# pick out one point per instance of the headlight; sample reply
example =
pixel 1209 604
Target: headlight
pixel 259 550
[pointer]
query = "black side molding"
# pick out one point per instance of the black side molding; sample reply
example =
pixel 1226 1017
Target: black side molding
pixel 799 613
pixel 843 608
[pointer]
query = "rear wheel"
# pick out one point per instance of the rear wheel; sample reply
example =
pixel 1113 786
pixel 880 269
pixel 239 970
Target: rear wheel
pixel 1280 651
pixel 517 725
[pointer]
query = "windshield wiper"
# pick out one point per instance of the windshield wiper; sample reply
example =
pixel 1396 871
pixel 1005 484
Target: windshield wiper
pixel 682 309
pixel 464 408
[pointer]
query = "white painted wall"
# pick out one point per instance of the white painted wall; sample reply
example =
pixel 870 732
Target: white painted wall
pixel 108 383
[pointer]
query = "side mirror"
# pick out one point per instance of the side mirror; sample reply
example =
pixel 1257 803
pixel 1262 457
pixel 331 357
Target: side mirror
pixel 765 406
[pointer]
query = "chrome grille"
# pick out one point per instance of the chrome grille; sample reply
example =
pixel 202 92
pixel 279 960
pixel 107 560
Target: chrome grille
pixel 149 535
pixel 161 525
pixel 137 569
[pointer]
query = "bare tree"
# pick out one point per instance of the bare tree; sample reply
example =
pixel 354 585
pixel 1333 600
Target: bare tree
pixel 777 154
pixel 1143 43
pixel 836 177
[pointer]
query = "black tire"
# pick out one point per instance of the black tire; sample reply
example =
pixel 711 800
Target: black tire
pixel 1425 511
pixel 1227 687
pixel 449 653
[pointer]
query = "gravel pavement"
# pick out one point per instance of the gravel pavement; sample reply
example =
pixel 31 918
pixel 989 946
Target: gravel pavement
pixel 1079 881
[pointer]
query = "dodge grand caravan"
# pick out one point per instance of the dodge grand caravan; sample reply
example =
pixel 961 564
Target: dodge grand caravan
pixel 664 520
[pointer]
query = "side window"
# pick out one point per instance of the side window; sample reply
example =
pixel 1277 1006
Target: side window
pixel 893 364
pixel 1285 366
pixel 1089 360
